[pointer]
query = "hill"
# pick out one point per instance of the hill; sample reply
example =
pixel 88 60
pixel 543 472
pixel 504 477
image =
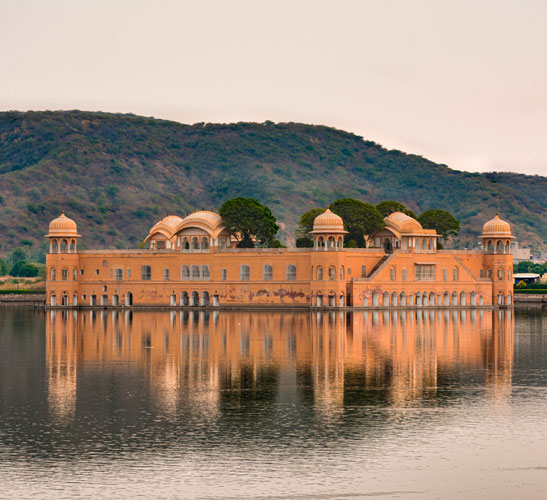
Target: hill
pixel 118 174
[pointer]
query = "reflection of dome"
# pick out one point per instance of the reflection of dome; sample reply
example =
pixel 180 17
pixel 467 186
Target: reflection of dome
pixel 403 223
pixel 328 222
pixel 62 226
pixel 496 227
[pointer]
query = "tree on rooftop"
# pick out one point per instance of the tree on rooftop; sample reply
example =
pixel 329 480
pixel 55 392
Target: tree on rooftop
pixel 359 219
pixel 305 225
pixel 442 221
pixel 388 207
pixel 250 220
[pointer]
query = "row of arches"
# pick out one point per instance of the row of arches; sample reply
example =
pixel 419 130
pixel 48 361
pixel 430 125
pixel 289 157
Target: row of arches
pixel 500 274
pixel 65 272
pixel 184 299
pixel 424 299
pixel 331 273
pixel 194 243
pixel 497 246
pixel 195 272
pixel 328 242
pixel 63 245
pixel 330 300
pixel 194 299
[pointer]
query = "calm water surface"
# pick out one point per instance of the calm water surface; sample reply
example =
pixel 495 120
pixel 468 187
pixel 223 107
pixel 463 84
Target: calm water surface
pixel 238 405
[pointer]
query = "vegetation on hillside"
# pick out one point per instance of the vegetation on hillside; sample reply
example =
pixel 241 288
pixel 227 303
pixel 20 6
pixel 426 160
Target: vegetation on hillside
pixel 116 175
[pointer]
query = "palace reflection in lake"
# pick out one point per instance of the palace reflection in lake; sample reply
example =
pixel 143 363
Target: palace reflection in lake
pixel 192 358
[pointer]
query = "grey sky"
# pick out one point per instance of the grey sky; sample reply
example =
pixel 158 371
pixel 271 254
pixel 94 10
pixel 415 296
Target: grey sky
pixel 460 82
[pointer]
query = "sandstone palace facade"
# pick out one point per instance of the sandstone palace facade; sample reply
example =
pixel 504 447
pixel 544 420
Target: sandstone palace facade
pixel 194 262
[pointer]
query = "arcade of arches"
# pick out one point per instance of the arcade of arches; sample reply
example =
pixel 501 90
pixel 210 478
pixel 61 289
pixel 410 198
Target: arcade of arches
pixel 194 262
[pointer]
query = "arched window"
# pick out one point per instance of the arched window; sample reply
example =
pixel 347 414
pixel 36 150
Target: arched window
pixel 445 274
pixel 53 274
pixel 64 274
pixel 417 245
pixel 455 274
pixel 267 272
pixel 499 247
pixel 508 274
pixel 341 272
pixel 490 247
pixel 195 243
pixel 184 273
pixel 204 242
pixel 195 272
pixel 54 246
pixel 319 273
pixel 205 272
pixel 489 273
pixel 291 272
pixel 146 273
pixel 244 272
pixel 64 246
pixel 431 245
pixel 500 274
pixel 392 274
pixel 72 245
pixel 332 273
pixel 74 274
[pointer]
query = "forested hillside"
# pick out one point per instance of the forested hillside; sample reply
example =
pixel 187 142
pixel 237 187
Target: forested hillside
pixel 118 174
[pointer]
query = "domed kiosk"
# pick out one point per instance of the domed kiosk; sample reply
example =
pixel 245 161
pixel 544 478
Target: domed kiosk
pixel 328 231
pixel 496 236
pixel 63 235
pixel 160 236
pixel 404 232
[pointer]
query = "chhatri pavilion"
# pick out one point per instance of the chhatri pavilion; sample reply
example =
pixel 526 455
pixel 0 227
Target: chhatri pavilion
pixel 194 262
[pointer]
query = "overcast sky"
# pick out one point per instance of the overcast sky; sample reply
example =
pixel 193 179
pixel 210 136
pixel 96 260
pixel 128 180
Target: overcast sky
pixel 460 82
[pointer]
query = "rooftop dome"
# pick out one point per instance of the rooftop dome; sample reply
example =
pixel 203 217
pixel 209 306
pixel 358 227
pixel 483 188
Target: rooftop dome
pixel 204 215
pixel 171 220
pixel 496 227
pixel 63 226
pixel 403 222
pixel 328 222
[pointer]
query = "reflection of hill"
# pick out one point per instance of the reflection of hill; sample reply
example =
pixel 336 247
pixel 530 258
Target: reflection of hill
pixel 217 377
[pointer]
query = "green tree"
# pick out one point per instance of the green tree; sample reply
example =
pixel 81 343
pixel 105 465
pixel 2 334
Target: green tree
pixel 17 255
pixel 24 269
pixel 304 242
pixel 442 221
pixel 3 267
pixel 305 225
pixel 388 207
pixel 248 219
pixel 359 219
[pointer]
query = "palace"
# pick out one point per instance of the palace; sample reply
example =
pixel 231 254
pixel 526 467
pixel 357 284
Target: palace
pixel 194 262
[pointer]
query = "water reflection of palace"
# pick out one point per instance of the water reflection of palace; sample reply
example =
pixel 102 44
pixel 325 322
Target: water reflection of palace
pixel 192 357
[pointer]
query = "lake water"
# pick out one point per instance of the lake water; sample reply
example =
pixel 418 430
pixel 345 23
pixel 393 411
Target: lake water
pixel 253 405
